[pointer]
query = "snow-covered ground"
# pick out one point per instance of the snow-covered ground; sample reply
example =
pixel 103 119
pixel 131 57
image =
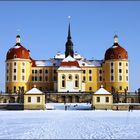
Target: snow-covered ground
pixel 70 124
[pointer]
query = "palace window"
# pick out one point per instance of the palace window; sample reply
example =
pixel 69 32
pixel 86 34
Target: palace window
pixel 33 78
pixel 100 71
pixel 29 99
pixel 120 70
pixel 14 70
pixel 126 64
pixel 23 78
pixel 40 71
pixel 76 81
pixel 100 78
pixel 23 64
pixel 112 71
pixel 90 71
pixel 112 78
pixel 63 81
pixel 15 77
pixel 120 64
pixel 23 70
pixel 90 78
pixel 126 78
pixel 40 78
pixel 84 78
pixel 35 71
pixel 70 77
pixel 15 63
pixel 98 99
pixel 38 99
pixel 90 88
pixel 120 87
pixel 46 71
pixel 120 78
pixel 126 71
pixel 112 64
pixel 84 71
pixel 107 99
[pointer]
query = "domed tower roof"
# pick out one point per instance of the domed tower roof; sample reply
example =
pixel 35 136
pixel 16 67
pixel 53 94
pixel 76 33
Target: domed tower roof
pixel 18 51
pixel 116 51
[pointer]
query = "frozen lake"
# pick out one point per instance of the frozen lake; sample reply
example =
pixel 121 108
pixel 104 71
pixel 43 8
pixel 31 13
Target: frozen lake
pixel 70 124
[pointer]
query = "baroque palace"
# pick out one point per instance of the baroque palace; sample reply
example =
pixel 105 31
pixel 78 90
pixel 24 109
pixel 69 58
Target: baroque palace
pixel 69 72
pixel 68 78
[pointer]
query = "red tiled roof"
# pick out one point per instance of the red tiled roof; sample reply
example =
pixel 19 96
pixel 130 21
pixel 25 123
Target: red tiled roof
pixel 116 52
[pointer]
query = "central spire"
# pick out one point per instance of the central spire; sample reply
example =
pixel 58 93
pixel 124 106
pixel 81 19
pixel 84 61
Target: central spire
pixel 69 35
pixel 69 44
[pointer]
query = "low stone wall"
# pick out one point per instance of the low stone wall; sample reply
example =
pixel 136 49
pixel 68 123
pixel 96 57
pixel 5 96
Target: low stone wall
pixel 125 106
pixel 11 106
pixel 103 107
pixel 34 107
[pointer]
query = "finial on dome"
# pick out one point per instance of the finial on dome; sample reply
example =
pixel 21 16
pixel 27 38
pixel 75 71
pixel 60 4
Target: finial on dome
pixel 18 39
pixel 102 86
pixel 115 39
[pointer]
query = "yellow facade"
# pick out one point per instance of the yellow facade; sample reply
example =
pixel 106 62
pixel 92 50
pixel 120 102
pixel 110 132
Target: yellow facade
pixel 91 78
pixel 29 104
pixel 102 104
pixel 18 75
pixel 116 74
pixel 69 80
pixel 22 75
pixel 47 76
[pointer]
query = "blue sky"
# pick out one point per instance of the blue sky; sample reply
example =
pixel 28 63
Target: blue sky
pixel 43 29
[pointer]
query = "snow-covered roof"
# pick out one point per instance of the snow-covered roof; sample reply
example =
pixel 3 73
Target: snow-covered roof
pixel 69 68
pixel 50 62
pixel 62 56
pixel 68 58
pixel 90 63
pixel 34 91
pixel 102 91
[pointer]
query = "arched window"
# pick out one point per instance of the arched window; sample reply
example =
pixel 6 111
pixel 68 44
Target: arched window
pixel 70 77
pixel 76 81
pixel 15 56
pixel 63 83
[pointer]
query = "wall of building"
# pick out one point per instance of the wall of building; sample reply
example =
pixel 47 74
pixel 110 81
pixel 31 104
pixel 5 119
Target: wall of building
pixel 17 75
pixel 112 68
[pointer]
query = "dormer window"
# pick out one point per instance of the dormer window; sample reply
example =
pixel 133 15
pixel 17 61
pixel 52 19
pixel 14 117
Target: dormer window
pixel 119 56
pixel 112 56
pixel 83 64
pixel 15 56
